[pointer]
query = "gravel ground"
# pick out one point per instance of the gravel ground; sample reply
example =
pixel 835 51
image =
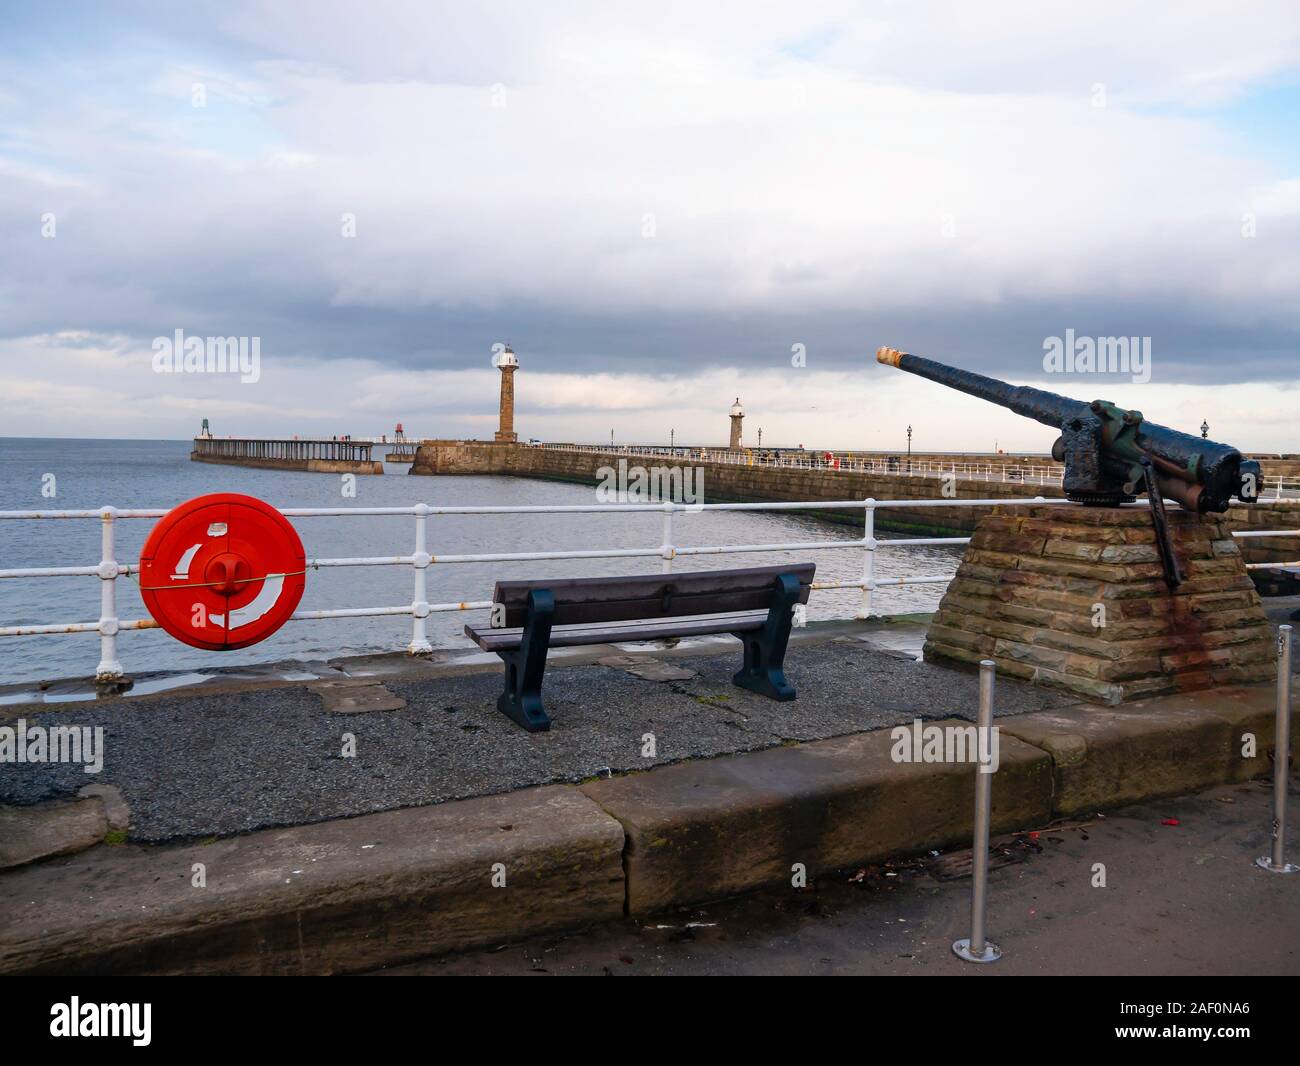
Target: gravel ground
pixel 194 765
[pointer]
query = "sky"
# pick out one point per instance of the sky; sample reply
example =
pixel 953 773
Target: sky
pixel 660 206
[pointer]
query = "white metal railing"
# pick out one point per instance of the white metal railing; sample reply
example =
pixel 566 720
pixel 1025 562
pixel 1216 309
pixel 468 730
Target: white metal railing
pixel 109 569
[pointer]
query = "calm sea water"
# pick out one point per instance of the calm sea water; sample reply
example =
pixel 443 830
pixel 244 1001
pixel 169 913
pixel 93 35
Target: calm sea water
pixel 159 474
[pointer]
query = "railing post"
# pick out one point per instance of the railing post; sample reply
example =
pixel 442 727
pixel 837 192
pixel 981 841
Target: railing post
pixel 868 556
pixel 667 565
pixel 977 948
pixel 1276 862
pixel 420 601
pixel 109 670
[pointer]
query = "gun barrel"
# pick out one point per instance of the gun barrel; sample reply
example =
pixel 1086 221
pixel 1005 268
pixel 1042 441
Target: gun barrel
pixel 1038 404
pixel 1124 438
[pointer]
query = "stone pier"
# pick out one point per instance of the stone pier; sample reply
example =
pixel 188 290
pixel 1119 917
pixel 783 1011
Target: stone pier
pixel 317 456
pixel 754 481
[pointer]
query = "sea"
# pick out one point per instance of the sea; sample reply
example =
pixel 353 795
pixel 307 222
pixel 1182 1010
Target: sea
pixel 159 474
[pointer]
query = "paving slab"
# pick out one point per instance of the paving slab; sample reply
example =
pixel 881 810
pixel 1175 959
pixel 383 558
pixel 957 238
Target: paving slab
pixel 356 697
pixel 319 899
pixel 116 810
pixel 43 830
pixel 648 669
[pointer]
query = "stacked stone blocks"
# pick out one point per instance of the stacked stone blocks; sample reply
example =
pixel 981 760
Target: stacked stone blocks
pixel 1074 598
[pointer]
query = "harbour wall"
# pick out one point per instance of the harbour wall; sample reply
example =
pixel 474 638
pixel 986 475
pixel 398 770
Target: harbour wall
pixel 1279 465
pixel 732 482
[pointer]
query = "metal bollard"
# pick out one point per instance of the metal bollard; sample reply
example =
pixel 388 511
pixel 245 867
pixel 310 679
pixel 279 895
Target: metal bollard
pixel 1276 863
pixel 977 948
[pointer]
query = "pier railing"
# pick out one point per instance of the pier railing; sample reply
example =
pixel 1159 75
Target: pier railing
pixel 1030 473
pixel 109 568
pixel 300 449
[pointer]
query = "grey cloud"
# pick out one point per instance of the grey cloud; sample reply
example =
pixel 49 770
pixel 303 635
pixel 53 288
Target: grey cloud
pixel 475 233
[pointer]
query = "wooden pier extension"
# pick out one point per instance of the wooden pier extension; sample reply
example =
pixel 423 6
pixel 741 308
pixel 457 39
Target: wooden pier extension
pixel 319 456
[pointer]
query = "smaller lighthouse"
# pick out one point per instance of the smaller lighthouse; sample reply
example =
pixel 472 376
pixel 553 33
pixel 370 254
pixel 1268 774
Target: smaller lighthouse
pixel 508 363
pixel 737 417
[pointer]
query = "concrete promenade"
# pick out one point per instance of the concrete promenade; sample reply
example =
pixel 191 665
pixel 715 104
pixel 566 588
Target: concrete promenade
pixel 449 828
pixel 1178 900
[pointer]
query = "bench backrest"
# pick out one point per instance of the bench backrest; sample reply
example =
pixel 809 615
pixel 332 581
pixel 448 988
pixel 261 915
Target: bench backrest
pixel 580 600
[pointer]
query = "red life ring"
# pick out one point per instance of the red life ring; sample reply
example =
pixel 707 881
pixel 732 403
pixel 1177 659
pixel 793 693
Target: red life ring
pixel 222 571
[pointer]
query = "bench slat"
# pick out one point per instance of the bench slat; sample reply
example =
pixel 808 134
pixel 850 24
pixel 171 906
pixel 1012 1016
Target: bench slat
pixel 506 639
pixel 587 600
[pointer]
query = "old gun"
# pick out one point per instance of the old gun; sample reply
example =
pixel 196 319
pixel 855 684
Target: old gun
pixel 1112 455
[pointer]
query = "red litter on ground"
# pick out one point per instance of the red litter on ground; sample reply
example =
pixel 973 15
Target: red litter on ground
pixel 1169 821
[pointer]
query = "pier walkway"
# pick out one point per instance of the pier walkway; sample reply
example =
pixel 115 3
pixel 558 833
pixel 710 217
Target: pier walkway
pixel 289 453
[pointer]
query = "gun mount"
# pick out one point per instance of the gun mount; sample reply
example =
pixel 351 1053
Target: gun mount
pixel 1112 455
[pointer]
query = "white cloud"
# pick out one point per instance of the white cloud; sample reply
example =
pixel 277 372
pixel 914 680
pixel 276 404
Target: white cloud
pixel 724 161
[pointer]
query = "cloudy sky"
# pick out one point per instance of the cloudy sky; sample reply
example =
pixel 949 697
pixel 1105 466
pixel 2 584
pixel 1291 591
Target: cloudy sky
pixel 657 204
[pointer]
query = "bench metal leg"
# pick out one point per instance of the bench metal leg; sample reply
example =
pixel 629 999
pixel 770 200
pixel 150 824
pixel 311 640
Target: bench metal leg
pixel 764 669
pixel 522 699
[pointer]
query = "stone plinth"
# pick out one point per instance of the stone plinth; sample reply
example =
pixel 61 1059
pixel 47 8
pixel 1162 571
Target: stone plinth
pixel 1073 597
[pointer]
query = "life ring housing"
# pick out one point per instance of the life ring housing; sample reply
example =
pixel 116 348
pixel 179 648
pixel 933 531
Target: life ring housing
pixel 222 571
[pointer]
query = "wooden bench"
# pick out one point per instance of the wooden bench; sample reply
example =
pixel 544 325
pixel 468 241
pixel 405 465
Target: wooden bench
pixel 530 617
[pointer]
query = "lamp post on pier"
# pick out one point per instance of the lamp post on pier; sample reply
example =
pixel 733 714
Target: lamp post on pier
pixel 909 449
